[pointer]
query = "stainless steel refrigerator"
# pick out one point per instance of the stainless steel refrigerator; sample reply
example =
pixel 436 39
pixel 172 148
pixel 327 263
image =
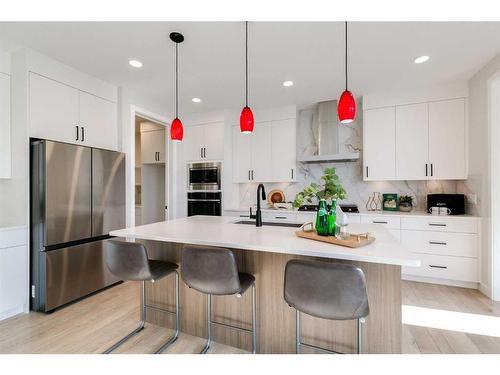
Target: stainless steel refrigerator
pixel 77 198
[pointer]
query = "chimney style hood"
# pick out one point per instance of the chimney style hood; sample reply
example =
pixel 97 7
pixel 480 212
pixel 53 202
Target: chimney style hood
pixel 322 138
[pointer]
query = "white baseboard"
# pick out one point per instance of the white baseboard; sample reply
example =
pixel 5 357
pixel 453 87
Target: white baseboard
pixel 485 289
pixel 432 280
pixel 11 312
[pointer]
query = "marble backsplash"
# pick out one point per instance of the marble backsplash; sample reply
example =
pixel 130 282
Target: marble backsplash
pixel 350 173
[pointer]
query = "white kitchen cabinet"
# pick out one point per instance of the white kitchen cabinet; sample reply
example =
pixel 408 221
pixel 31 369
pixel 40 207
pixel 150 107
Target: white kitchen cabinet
pixel 13 271
pixel 53 110
pixel 412 138
pixel 153 147
pixel 98 122
pixel 242 156
pixel 447 139
pixel 63 113
pixel 379 144
pixel 5 139
pixel 266 155
pixel 261 152
pixel 427 143
pixel 204 142
pixel 284 150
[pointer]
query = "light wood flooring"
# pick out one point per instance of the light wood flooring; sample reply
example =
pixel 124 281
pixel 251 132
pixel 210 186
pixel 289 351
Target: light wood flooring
pixel 470 324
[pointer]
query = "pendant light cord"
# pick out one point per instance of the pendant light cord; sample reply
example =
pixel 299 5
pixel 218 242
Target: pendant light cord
pixel 246 63
pixel 176 80
pixel 345 55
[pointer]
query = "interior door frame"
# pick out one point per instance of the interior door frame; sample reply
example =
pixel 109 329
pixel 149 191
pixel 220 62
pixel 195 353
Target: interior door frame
pixel 494 168
pixel 160 120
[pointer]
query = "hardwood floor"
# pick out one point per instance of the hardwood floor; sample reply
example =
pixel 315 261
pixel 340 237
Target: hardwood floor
pixel 436 319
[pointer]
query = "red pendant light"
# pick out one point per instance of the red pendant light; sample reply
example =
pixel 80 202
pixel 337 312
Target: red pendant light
pixel 346 107
pixel 176 128
pixel 246 117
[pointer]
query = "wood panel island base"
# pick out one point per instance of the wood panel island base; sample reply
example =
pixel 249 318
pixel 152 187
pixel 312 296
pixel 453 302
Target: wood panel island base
pixel 274 247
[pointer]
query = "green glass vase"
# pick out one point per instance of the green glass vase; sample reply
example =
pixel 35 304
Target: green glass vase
pixel 322 219
pixel 332 218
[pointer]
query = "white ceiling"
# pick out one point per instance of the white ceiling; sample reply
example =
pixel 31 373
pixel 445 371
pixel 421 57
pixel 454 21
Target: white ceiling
pixel 309 53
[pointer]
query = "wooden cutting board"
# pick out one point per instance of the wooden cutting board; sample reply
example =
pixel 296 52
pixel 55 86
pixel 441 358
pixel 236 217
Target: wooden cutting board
pixel 353 241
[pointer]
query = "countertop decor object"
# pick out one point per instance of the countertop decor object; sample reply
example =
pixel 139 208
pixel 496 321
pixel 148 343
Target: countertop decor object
pixel 390 202
pixel 330 190
pixel 275 196
pixel 405 203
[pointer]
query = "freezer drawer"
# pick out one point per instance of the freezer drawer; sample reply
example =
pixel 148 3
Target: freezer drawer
pixel 74 272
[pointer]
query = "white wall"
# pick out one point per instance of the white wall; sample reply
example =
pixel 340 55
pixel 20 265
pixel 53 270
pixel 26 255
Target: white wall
pixel 480 160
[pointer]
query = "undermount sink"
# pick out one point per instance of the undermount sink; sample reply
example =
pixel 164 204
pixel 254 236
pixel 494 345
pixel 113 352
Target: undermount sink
pixel 270 223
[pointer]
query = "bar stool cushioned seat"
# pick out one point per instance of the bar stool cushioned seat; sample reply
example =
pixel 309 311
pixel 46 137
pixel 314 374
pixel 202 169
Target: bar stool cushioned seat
pixel 326 290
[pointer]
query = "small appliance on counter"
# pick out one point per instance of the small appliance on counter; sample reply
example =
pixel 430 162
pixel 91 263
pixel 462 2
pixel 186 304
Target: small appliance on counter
pixel 453 204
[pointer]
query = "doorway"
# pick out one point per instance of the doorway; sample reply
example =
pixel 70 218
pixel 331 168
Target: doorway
pixel 150 171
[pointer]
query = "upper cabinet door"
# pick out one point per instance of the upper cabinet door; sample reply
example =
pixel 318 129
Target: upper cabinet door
pixel 379 148
pixel 261 152
pixel 213 141
pixel 242 155
pixel 98 122
pixel 284 154
pixel 53 110
pixel 193 142
pixel 412 142
pixel 447 139
pixel 5 147
pixel 153 147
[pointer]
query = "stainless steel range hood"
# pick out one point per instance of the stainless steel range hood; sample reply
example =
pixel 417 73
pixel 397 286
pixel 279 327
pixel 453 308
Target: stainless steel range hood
pixel 325 139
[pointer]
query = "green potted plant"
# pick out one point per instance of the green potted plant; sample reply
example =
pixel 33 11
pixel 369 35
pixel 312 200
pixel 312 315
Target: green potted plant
pixel 405 203
pixel 328 191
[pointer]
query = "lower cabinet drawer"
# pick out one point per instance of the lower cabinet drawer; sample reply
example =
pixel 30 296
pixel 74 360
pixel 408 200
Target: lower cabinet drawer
pixel 445 267
pixel 441 243
pixel 389 222
pixel 277 216
pixel 441 224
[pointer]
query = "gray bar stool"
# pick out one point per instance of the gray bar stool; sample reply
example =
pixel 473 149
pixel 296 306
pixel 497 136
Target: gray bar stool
pixel 326 290
pixel 129 261
pixel 213 271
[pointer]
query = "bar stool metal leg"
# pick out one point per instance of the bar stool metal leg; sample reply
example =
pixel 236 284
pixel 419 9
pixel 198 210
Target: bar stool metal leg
pixel 297 331
pixel 209 324
pixel 361 322
pixel 177 317
pixel 141 323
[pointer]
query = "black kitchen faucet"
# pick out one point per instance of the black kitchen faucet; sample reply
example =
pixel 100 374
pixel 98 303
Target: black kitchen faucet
pixel 258 213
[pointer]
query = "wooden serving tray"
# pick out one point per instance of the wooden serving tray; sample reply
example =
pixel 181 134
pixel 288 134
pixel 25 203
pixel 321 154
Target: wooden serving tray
pixel 355 240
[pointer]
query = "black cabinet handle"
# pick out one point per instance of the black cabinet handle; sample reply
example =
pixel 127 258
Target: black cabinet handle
pixel 434 266
pixel 432 169
pixel 204 152
pixel 379 222
pixel 437 243
pixel 437 224
pixel 292 173
pixel 77 132
pixel 83 134
pixel 280 217
pixel 426 172
pixel 249 175
pixel 252 175
pixel 366 171
pixel 201 152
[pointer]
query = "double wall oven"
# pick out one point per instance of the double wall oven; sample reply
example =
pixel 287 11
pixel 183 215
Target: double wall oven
pixel 204 194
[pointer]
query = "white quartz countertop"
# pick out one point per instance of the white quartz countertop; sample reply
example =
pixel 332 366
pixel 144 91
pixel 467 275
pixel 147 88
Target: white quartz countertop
pixel 222 231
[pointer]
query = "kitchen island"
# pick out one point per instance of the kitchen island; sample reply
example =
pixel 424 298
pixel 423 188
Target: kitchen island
pixel 264 253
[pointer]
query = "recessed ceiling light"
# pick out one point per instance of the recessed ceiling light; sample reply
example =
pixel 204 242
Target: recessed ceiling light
pixel 196 100
pixel 135 63
pixel 421 59
pixel 288 83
